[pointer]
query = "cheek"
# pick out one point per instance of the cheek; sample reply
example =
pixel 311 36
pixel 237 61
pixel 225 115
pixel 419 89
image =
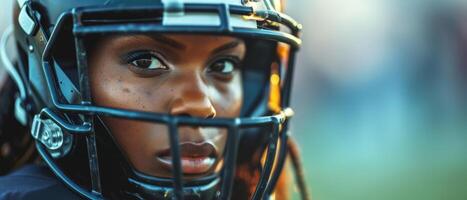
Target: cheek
pixel 113 85
pixel 140 137
pixel 140 141
pixel 227 98
pixel 107 84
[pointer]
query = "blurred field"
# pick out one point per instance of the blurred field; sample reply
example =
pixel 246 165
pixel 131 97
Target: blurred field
pixel 381 92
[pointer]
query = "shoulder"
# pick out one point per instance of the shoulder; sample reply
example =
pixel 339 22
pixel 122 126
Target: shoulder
pixel 33 182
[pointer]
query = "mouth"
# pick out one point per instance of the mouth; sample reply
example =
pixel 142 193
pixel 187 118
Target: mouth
pixel 196 158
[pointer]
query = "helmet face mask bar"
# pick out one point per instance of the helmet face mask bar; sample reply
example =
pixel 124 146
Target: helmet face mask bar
pixel 76 116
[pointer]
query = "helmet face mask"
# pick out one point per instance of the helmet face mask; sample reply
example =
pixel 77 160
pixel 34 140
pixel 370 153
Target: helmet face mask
pixel 61 90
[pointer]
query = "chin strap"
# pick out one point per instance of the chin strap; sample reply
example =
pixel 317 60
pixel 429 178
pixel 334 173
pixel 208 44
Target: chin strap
pixel 20 111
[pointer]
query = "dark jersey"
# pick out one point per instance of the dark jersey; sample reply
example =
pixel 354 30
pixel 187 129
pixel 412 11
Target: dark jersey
pixel 33 182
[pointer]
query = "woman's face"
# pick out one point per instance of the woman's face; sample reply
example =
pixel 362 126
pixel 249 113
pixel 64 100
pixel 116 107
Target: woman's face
pixel 191 75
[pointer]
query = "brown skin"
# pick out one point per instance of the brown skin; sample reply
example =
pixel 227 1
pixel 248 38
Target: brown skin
pixel 188 75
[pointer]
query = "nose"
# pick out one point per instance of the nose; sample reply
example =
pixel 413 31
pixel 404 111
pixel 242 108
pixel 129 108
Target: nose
pixel 192 99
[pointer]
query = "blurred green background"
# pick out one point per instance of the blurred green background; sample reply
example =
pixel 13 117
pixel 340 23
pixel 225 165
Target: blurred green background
pixel 380 97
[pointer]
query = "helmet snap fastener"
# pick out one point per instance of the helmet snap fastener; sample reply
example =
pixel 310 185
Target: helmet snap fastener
pixel 47 132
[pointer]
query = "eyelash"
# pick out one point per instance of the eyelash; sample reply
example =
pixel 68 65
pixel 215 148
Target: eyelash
pixel 129 58
pixel 234 59
pixel 132 56
pixel 237 63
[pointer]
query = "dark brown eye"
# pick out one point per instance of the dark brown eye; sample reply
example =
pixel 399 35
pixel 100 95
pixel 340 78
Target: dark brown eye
pixel 149 62
pixel 223 66
pixel 145 63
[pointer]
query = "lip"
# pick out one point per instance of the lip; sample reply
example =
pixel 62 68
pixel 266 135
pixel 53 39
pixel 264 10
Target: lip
pixel 196 158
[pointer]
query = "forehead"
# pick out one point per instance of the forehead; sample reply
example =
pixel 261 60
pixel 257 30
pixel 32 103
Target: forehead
pixel 200 40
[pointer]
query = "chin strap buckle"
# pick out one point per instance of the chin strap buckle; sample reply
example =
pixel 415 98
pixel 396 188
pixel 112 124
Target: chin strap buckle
pixel 47 132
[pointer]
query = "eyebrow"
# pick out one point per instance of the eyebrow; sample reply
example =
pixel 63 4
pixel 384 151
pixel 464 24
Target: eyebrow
pixel 227 46
pixel 168 41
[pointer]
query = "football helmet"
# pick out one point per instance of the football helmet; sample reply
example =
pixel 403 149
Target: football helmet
pixel 56 102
